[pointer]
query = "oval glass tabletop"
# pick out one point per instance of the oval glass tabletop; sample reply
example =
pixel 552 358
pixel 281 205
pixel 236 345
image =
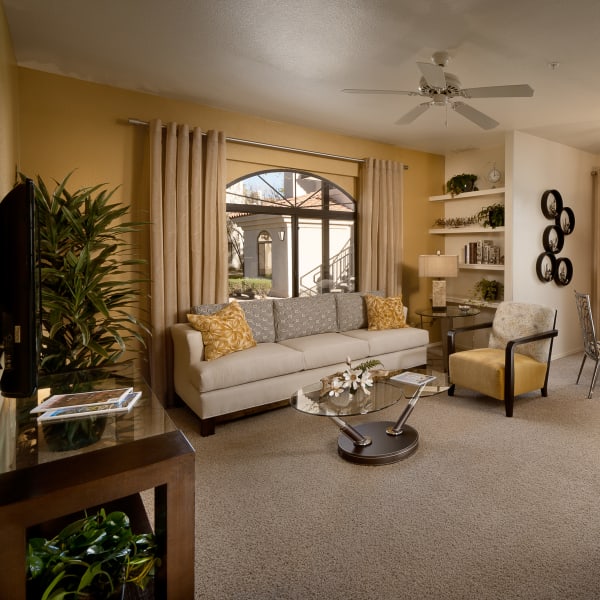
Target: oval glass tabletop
pixel 312 400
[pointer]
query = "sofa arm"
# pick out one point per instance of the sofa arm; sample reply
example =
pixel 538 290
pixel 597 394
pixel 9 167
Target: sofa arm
pixel 188 350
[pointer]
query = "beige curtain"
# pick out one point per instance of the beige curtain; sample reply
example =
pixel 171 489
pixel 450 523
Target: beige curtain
pixel 380 226
pixel 595 291
pixel 188 241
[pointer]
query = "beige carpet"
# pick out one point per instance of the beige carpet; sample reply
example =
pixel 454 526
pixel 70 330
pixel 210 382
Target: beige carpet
pixel 487 508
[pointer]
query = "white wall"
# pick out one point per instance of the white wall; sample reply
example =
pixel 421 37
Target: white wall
pixel 534 165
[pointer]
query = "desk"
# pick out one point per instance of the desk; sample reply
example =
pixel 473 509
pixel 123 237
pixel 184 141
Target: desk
pixel 138 451
pixel 448 315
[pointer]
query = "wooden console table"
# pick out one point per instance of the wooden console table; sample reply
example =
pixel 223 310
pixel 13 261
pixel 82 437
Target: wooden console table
pixel 139 451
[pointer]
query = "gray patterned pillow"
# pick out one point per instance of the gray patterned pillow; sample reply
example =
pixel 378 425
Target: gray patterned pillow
pixel 259 315
pixel 298 317
pixel 352 310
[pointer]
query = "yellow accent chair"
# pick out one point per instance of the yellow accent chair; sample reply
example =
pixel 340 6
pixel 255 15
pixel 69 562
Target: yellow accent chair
pixel 591 345
pixel 517 359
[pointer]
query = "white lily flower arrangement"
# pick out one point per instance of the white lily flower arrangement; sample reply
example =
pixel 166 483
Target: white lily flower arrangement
pixel 353 378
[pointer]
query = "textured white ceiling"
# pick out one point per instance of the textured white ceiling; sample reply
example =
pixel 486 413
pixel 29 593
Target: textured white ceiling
pixel 288 60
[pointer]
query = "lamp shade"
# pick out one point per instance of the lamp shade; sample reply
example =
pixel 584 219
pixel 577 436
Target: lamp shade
pixel 438 265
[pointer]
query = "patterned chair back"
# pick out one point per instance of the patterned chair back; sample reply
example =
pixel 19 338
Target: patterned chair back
pixel 519 319
pixel 586 320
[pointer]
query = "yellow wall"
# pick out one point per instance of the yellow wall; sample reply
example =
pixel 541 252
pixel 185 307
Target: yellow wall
pixel 8 109
pixel 68 124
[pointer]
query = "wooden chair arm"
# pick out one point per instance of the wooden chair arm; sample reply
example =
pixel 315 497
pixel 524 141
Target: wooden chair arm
pixel 452 333
pixel 509 363
pixel 531 338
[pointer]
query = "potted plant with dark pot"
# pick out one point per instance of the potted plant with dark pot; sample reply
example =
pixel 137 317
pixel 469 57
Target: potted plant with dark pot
pixel 465 182
pixel 492 216
pixel 93 557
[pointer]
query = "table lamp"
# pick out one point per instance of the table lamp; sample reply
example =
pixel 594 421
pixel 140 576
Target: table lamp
pixel 439 266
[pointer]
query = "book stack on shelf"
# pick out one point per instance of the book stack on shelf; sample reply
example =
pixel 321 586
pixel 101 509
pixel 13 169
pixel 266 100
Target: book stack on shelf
pixel 482 252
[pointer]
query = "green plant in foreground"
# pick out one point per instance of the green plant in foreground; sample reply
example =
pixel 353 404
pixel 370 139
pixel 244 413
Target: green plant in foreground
pixel 93 555
pixel 89 278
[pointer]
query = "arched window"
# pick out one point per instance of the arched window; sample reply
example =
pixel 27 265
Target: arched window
pixel 293 227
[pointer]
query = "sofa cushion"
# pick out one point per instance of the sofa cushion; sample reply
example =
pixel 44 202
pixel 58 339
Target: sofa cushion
pixel 298 317
pixel 223 332
pixel 385 313
pixel 390 340
pixel 325 349
pixel 260 362
pixel 352 310
pixel 259 315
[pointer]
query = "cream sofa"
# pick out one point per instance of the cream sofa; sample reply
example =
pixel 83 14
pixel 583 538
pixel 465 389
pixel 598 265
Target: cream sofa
pixel 299 340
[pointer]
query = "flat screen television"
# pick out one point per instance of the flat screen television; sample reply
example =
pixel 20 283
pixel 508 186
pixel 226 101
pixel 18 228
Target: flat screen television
pixel 19 292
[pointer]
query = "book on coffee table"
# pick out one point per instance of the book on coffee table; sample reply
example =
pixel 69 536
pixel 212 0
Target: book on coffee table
pixel 413 378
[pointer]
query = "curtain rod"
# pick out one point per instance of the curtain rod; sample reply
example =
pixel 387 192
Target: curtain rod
pixel 273 146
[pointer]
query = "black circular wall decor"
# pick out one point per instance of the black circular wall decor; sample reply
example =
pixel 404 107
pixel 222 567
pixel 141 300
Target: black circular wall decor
pixel 545 266
pixel 563 272
pixel 552 203
pixel 553 239
pixel 548 266
pixel 565 220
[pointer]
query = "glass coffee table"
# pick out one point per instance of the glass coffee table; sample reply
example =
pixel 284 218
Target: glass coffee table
pixel 370 443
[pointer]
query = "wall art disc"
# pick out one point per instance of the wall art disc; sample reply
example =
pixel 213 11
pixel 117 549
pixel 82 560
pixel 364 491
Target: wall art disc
pixel 553 239
pixel 566 220
pixel 563 272
pixel 545 267
pixel 552 203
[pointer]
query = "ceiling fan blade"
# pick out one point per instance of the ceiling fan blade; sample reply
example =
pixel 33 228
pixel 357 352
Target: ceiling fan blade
pixel 412 114
pixel 474 115
pixel 361 91
pixel 499 91
pixel 433 74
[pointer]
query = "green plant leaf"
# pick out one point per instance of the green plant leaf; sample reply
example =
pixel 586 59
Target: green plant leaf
pixel 91 278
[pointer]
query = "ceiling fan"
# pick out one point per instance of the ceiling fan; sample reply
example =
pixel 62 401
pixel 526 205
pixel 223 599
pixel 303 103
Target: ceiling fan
pixel 443 88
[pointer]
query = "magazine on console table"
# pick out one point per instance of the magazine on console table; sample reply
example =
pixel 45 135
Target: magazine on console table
pixel 86 404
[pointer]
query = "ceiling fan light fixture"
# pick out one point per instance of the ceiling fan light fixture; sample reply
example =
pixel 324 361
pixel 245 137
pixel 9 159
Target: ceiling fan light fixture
pixel 442 88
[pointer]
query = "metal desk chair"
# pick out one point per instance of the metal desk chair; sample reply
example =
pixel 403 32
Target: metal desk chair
pixel 591 346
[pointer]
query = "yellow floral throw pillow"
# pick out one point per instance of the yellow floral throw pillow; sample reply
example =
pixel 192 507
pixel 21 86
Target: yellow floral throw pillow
pixel 223 332
pixel 385 313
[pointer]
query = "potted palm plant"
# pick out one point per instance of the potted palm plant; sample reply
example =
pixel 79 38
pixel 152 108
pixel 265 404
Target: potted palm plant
pixel 90 281
pixel 89 278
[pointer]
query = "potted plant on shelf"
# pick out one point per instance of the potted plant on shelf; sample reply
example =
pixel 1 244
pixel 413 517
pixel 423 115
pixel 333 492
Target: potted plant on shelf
pixel 465 182
pixel 93 557
pixel 489 290
pixel 492 216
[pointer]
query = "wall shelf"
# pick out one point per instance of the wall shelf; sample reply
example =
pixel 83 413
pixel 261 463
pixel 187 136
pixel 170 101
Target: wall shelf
pixel 481 267
pixel 467 195
pixel 465 230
